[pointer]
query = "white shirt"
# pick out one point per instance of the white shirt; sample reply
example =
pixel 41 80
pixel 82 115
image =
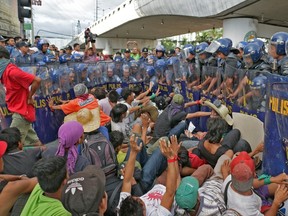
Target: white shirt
pixel 152 200
pixel 244 205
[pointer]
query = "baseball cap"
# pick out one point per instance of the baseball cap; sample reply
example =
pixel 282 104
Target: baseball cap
pixel 3 147
pixel 84 191
pixel 242 172
pixel 2 39
pixel 145 50
pixel 178 99
pixel 80 89
pixel 187 193
pixel 23 43
pixel 127 50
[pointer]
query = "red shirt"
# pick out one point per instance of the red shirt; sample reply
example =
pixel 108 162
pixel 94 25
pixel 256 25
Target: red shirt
pixel 195 161
pixel 17 84
pixel 90 103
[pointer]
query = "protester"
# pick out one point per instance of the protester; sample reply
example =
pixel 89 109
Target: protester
pixel 19 97
pixel 45 198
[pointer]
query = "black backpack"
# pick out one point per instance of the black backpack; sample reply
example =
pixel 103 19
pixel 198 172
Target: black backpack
pixel 100 152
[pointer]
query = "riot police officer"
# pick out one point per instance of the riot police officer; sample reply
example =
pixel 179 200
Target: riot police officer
pixel 277 50
pixel 42 46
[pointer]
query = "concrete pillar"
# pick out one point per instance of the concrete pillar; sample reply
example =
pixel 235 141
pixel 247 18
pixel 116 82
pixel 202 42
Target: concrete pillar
pixel 108 49
pixel 239 29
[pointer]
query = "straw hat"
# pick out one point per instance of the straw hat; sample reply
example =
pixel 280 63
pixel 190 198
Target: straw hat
pixel 221 109
pixel 90 119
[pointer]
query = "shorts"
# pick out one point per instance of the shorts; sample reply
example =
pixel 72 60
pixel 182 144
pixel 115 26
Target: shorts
pixel 28 134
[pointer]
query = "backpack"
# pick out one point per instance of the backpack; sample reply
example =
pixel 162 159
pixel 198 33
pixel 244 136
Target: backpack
pixel 100 152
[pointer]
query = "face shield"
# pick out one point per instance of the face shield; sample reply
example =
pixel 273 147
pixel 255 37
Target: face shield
pixel 213 47
pixel 248 60
pixel 185 53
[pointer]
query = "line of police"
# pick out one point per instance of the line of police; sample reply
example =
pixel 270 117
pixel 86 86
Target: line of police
pixel 218 68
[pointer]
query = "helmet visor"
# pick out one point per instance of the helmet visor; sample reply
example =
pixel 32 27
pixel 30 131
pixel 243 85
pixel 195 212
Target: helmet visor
pixel 213 47
pixel 248 60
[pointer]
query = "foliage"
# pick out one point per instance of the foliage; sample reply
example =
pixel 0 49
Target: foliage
pixel 209 35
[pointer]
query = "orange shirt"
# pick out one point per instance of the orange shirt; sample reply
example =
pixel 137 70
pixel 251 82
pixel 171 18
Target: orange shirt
pixel 90 103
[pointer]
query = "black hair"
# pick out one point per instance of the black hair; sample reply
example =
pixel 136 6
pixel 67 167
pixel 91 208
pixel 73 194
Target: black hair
pixel 160 102
pixel 17 38
pixel 4 53
pixel 117 111
pixel 183 157
pixel 216 128
pixel 99 93
pixel 37 37
pixel 113 96
pixel 116 138
pixel 75 44
pixel 12 137
pixel 118 53
pixel 131 207
pixel 50 172
pixel 137 90
pixel 126 92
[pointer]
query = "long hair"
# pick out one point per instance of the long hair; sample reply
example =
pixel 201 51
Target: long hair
pixel 217 127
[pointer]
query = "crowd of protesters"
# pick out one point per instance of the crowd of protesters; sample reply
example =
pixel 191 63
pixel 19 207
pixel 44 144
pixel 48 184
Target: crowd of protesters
pixel 132 151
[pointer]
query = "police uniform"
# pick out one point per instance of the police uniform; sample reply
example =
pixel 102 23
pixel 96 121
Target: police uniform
pixel 283 66
pixel 22 58
pixel 38 57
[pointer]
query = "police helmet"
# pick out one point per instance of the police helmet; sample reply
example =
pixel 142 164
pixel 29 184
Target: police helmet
pixel 225 45
pixel 254 51
pixel 200 49
pixel 241 45
pixel 41 43
pixel 150 71
pixel 279 40
pixel 160 48
pixel 259 83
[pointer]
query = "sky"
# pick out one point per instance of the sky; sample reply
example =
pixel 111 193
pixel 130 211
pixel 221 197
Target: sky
pixel 61 16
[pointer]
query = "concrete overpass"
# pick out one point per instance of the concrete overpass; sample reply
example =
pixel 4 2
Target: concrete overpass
pixel 147 20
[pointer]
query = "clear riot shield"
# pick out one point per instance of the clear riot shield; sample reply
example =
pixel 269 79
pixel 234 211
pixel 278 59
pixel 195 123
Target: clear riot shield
pixel 134 70
pixel 126 77
pixel 141 70
pixel 118 68
pixel 81 72
pixel 208 74
pixel 255 99
pixel 29 69
pixel 63 73
pixel 160 68
pixel 228 84
pixel 103 67
pixel 110 76
pixel 238 77
pixel 194 75
pixel 46 86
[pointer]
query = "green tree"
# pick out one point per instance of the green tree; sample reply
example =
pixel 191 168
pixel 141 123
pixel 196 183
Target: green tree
pixel 209 35
pixel 168 44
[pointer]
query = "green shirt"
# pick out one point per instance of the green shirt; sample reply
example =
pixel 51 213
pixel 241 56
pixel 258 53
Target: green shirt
pixel 38 204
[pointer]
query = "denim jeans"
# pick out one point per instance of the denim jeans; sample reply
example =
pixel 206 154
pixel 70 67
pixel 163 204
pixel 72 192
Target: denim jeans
pixel 153 168
pixel 178 129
